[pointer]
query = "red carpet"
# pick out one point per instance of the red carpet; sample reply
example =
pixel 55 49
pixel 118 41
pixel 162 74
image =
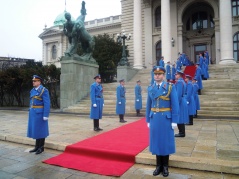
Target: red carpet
pixel 190 70
pixel 110 153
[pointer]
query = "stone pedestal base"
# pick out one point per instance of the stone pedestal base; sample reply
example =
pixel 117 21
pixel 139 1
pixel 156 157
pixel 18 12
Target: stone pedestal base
pixel 126 73
pixel 226 61
pixel 76 78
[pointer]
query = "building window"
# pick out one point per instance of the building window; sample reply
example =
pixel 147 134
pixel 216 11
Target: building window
pixel 235 7
pixel 158 17
pixel 54 51
pixel 199 20
pixel 158 51
pixel 236 47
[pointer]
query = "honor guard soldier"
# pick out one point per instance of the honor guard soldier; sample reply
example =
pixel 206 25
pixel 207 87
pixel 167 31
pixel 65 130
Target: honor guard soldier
pixel 161 117
pixel 38 114
pixel 97 102
pixel 138 97
pixel 161 62
pixel 168 72
pixel 180 86
pixel 173 73
pixel 120 102
pixel 196 97
pixel 198 77
pixel 190 99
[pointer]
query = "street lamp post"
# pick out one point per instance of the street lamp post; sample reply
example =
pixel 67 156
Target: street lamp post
pixel 121 39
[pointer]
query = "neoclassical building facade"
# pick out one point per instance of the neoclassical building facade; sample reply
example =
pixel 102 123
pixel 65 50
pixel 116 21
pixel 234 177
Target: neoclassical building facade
pixel 162 28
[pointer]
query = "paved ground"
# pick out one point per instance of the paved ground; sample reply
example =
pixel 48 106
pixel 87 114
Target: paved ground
pixel 206 139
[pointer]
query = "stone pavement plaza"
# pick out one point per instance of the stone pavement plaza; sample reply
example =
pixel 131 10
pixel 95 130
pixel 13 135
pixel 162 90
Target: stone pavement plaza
pixel 209 145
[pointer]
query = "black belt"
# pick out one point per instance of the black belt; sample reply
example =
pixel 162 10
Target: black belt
pixel 99 96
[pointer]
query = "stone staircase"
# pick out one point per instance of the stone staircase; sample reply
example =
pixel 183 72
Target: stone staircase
pixel 219 99
pixel 220 96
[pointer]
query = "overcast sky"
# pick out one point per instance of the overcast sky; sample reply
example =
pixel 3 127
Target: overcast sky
pixel 22 21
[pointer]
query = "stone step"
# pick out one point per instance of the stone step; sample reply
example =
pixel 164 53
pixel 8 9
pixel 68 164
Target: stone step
pixel 220 108
pixel 218 112
pixel 219 103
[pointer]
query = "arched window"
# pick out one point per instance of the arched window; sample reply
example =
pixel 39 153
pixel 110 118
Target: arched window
pixel 235 7
pixel 236 47
pixel 199 20
pixel 54 52
pixel 158 51
pixel 158 17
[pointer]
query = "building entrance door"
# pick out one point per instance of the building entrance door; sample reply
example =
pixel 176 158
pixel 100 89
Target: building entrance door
pixel 199 48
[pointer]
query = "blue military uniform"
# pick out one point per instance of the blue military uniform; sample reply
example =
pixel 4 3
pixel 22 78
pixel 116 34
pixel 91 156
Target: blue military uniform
pixel 168 72
pixel 198 78
pixel 161 113
pixel 161 62
pixel 190 100
pixel 138 98
pixel 120 102
pixel 38 116
pixel 173 72
pixel 180 86
pixel 196 97
pixel 202 66
pixel 97 102
pixel 178 64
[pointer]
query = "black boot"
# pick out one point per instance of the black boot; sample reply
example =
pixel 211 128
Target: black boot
pixel 122 118
pixel 165 165
pixel 199 92
pixel 36 146
pixel 41 146
pixel 190 119
pixel 159 166
pixel 195 115
pixel 137 112
pixel 95 124
pixel 181 128
pixel 98 124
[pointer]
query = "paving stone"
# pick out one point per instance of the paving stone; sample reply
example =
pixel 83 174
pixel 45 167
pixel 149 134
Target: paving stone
pixel 5 175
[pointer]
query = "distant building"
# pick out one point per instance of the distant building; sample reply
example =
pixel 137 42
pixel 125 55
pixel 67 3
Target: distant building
pixel 55 43
pixel 7 62
pixel 162 28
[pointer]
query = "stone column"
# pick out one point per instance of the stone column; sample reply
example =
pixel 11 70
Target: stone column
pixel 166 30
pixel 148 36
pixel 226 32
pixel 137 36
pixel 180 38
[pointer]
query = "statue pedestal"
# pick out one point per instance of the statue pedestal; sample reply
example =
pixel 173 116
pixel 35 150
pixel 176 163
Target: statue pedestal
pixel 76 77
pixel 126 73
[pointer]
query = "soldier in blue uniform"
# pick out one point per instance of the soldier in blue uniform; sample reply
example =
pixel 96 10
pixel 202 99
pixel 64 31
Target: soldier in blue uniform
pixel 178 64
pixel 97 102
pixel 173 73
pixel 120 102
pixel 168 72
pixel 161 117
pixel 196 98
pixel 190 99
pixel 202 66
pixel 138 97
pixel 180 86
pixel 38 114
pixel 161 62
pixel 198 77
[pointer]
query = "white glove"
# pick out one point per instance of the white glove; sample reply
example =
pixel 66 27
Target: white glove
pixel 103 104
pixel 45 118
pixel 137 100
pixel 119 102
pixel 94 105
pixel 148 124
pixel 187 102
pixel 174 125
